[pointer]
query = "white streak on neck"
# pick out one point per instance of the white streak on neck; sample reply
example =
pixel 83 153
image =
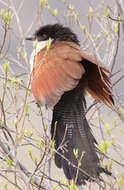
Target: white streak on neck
pixel 38 46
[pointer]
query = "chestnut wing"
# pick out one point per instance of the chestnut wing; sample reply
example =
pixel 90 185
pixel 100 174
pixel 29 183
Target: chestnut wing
pixel 56 71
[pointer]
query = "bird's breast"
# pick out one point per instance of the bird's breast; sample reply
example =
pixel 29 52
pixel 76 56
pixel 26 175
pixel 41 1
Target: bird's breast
pixel 38 46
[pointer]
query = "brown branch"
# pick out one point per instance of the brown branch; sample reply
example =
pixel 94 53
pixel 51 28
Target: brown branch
pixel 6 178
pixel 115 19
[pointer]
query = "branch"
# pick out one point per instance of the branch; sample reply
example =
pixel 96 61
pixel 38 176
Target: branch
pixel 22 169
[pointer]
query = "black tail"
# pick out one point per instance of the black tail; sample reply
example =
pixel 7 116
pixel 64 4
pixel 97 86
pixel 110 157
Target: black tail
pixel 74 141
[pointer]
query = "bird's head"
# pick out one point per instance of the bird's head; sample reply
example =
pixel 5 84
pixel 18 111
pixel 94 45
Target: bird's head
pixel 56 32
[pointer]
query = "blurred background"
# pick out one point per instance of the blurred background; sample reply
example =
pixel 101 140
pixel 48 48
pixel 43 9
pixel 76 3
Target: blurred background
pixel 99 26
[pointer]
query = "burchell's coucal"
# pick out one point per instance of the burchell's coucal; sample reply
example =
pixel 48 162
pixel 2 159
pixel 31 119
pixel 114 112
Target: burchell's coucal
pixel 61 73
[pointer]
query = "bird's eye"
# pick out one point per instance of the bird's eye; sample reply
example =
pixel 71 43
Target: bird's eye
pixel 44 37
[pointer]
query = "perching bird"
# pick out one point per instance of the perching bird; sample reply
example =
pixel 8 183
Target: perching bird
pixel 60 74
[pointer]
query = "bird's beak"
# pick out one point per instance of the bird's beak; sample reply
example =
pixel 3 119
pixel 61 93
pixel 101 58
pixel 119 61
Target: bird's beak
pixel 33 38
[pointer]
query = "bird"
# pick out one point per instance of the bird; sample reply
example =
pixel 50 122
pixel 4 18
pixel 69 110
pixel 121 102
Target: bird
pixel 61 74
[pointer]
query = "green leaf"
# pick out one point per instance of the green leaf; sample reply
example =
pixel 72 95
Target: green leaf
pixel 122 131
pixel 41 3
pixel 41 142
pixel 28 92
pixel 64 181
pixel 26 108
pixel 107 126
pixel 30 152
pixel 2 12
pixel 76 16
pixel 52 144
pixel 110 163
pixel 115 121
pixel 108 13
pixel 76 153
pixel 32 181
pixel 107 33
pixel 116 28
pixel 100 117
pixel 119 18
pixel 9 161
pixel 6 186
pixel 91 11
pixel 22 134
pixel 120 180
pixel 112 141
pixel 55 12
pixel 49 44
pixel 20 53
pixel 71 7
pixel 72 186
pixel 6 66
pixel 46 2
pixel 35 158
pixel 46 126
pixel 84 28
pixel 18 81
pixel 16 123
pixel 110 40
pixel 3 166
pixel 98 36
pixel 29 132
pixel 35 44
pixel 8 17
pixel 65 1
pixel 103 164
pixel 104 147
pixel 13 81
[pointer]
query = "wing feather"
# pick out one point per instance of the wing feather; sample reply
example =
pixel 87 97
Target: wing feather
pixel 60 69
pixel 55 72
pixel 99 85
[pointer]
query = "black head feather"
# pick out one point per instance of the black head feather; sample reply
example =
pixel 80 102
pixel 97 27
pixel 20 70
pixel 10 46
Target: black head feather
pixel 57 32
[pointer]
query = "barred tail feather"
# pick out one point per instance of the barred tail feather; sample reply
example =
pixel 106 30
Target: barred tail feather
pixel 75 144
